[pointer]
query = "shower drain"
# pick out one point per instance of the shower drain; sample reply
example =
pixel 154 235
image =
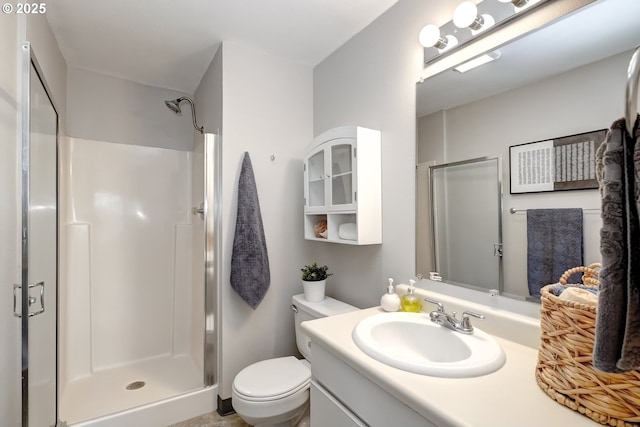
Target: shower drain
pixel 136 385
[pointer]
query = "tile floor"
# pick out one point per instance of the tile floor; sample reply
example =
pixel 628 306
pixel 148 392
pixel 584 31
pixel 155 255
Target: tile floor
pixel 213 420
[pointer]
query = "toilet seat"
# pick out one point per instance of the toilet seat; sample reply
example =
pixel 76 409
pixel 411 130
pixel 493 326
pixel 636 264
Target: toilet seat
pixel 272 379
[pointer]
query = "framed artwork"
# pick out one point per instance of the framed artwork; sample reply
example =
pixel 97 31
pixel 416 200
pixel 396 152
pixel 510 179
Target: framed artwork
pixel 566 163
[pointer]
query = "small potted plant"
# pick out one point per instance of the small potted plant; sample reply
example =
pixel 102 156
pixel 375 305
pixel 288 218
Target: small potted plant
pixel 314 281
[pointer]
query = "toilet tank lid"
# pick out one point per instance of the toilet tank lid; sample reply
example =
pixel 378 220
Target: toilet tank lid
pixel 327 307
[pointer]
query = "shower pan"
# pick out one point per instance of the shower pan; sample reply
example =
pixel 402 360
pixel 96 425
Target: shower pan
pixel 138 289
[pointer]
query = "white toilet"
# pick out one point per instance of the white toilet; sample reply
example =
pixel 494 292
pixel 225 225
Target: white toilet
pixel 275 392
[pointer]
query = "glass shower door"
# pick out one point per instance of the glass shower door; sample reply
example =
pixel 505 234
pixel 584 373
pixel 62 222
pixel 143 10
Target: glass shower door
pixel 37 292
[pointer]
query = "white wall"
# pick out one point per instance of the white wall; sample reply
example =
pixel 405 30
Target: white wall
pixel 267 111
pixel 9 222
pixel 111 109
pixel 370 82
pixel 588 98
pixel 208 96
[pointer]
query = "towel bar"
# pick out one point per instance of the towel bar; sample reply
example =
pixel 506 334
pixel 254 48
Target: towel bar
pixel 514 210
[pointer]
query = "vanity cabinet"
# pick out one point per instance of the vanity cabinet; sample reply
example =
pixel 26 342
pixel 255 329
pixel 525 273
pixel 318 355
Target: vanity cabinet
pixel 341 396
pixel 342 187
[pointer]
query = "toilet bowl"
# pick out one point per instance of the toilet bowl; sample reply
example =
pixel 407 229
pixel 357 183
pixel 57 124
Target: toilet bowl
pixel 275 392
pixel 272 392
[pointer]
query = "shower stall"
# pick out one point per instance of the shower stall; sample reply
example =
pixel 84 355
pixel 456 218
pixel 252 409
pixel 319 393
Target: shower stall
pixel 138 273
pixel 117 300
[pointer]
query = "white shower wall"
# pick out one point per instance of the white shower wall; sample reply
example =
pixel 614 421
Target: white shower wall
pixel 127 257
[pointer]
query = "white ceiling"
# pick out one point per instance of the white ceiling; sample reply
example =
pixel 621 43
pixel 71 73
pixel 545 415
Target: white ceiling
pixel 170 43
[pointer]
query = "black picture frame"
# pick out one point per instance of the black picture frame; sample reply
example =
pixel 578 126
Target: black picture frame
pixel 559 164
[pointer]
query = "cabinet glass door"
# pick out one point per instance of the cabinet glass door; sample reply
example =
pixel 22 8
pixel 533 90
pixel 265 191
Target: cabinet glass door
pixel 341 175
pixel 316 180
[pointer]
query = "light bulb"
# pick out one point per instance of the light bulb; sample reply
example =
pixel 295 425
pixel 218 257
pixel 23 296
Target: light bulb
pixel 487 21
pixel 429 35
pixel 465 14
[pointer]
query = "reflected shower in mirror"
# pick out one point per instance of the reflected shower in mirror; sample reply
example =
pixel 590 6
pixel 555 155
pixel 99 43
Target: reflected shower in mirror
pixel 466 199
pixel 567 78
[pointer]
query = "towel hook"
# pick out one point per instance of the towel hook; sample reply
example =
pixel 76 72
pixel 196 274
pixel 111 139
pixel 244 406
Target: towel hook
pixel 633 73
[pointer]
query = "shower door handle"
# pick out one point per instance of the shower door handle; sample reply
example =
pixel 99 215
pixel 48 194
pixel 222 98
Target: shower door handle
pixel 497 249
pixel 199 211
pixel 32 300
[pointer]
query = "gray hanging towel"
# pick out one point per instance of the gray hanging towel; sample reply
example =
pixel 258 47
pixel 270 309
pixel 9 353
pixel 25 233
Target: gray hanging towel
pixel 250 275
pixel 617 338
pixel 554 245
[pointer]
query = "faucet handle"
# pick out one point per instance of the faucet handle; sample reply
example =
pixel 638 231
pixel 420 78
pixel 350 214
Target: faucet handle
pixel 438 303
pixel 466 323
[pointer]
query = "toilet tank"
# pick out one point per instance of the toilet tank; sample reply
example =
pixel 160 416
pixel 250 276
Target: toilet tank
pixel 305 310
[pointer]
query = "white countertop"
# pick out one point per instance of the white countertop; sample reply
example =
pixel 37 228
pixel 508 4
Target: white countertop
pixel 509 397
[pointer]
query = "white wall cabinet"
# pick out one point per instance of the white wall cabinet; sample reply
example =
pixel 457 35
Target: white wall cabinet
pixel 342 187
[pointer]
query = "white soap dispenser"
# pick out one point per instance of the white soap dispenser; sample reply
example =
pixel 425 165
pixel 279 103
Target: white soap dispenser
pixel 390 301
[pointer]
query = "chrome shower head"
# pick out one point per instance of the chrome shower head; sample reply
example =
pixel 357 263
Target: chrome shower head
pixel 174 105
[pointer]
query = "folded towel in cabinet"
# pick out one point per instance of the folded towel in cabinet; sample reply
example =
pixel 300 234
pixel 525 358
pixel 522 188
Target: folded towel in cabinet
pixel 250 275
pixel 348 231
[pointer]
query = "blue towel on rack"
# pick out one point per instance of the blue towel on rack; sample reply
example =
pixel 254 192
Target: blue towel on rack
pixel 554 245
pixel 250 275
pixel 617 337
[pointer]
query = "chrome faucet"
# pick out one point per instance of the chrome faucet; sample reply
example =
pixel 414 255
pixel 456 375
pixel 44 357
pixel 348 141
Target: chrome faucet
pixel 450 321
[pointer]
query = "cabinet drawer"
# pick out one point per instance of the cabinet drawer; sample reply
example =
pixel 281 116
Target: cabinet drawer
pixel 326 410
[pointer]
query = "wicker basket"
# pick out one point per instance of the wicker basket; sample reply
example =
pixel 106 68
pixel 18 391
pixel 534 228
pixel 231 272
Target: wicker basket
pixel 565 370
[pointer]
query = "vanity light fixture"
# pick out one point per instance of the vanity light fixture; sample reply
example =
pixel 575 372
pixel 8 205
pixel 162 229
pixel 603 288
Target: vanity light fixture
pixel 471 21
pixel 520 4
pixel 476 62
pixel 466 15
pixel 430 36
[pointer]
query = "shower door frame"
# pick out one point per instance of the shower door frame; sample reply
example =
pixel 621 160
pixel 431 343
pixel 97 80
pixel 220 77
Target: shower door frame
pixel 29 62
pixel 213 237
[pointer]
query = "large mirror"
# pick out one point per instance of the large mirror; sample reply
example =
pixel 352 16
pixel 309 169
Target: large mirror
pixel 564 79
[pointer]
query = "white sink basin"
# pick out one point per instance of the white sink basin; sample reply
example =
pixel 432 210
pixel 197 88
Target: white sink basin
pixel 413 343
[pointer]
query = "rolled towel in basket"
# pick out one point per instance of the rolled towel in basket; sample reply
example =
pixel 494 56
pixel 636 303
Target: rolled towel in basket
pixel 576 294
